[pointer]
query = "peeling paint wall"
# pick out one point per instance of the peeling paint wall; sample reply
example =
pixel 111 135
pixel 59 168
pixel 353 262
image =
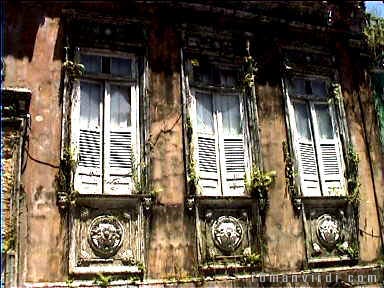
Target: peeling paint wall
pixel 359 110
pixel 168 256
pixel 34 58
pixel 39 69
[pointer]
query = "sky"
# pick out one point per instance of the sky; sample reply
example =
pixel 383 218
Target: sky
pixel 375 7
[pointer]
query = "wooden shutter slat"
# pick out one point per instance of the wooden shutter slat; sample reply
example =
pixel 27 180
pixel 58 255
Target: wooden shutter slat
pixel 328 151
pixel 207 154
pixel 234 166
pixel 119 177
pixel 234 155
pixel 120 136
pixel 120 150
pixel 331 171
pixel 208 165
pixel 309 176
pixel 88 177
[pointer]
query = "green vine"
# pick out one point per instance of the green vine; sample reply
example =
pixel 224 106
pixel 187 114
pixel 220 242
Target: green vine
pixel 10 242
pixel 141 185
pixel 249 71
pixel 335 92
pixel 189 128
pixel 353 182
pixel 72 70
pixel 64 184
pixel 289 170
pixel 66 194
pixel 378 98
pixel 258 184
pixel 374 31
pixel 192 177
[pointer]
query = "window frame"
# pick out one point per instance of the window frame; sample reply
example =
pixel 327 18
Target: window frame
pixel 310 100
pixel 213 90
pixel 106 80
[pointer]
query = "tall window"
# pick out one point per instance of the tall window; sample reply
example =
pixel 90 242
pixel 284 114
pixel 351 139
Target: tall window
pixel 105 132
pixel 315 138
pixel 219 142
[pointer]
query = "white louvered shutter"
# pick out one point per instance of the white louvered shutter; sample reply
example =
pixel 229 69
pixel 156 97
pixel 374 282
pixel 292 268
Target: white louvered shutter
pixel 328 150
pixel 232 146
pixel 119 134
pixel 305 150
pixel 88 177
pixel 207 146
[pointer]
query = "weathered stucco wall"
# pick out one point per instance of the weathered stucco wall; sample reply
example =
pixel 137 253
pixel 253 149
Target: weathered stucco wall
pixel 171 251
pixel 31 63
pixel 284 229
pixel 374 148
pixel 369 229
pixel 33 59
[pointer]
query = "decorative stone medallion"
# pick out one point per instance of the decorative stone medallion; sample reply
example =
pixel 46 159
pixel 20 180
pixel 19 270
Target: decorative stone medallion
pixel 105 235
pixel 328 230
pixel 227 233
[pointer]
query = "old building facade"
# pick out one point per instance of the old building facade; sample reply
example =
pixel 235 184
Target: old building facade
pixel 214 144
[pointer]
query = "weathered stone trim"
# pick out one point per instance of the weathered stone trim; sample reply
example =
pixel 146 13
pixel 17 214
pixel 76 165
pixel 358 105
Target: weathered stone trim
pixel 248 280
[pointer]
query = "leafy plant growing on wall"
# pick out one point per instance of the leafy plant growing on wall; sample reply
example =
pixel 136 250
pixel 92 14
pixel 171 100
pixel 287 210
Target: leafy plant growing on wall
pixel 249 69
pixel 102 281
pixel 64 178
pixel 64 184
pixel 378 97
pixel 193 179
pixel 374 31
pixel 72 69
pixel 9 243
pixel 141 183
pixel 353 182
pixel 258 184
pixel 250 259
pixel 352 251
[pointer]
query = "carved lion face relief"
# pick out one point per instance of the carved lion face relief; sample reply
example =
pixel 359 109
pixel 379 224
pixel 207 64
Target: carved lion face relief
pixel 227 233
pixel 105 235
pixel 328 230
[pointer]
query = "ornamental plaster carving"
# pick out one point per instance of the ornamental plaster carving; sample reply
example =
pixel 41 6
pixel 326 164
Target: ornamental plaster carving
pixel 227 233
pixel 84 213
pixel 84 257
pixel 128 258
pixel 328 230
pixel 147 204
pixel 105 235
pixel 62 200
pixel 190 204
